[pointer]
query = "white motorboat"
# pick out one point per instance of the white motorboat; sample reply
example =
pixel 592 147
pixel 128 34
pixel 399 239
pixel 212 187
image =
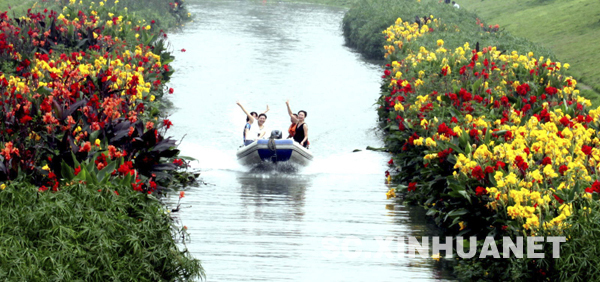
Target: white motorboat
pixel 274 151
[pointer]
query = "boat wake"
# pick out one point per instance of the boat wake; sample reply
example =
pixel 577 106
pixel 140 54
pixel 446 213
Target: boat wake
pixel 269 167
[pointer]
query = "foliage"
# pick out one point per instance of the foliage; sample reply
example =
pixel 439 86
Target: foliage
pixel 363 23
pixel 83 84
pixel 568 28
pixel 83 147
pixel 492 143
pixel 96 232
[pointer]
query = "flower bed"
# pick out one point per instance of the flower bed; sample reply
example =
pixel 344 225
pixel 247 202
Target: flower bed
pixel 492 143
pixel 81 93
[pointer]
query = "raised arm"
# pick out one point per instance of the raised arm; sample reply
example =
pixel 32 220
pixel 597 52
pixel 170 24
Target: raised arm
pixel 266 110
pixel 294 119
pixel 250 117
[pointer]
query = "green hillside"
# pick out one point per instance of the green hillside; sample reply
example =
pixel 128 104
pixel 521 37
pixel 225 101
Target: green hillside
pixel 570 28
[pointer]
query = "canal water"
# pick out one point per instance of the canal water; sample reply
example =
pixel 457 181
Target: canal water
pixel 319 223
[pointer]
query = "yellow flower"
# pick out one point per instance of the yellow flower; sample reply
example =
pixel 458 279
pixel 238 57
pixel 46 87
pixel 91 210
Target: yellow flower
pixel 46 167
pixel 97 142
pixel 436 257
pixel 391 193
pixel 152 97
pixel 2 186
pixel 148 27
pixel 462 225
pixel 440 42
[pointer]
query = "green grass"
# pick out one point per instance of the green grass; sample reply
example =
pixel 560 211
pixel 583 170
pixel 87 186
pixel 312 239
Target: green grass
pixel 335 3
pixel 570 28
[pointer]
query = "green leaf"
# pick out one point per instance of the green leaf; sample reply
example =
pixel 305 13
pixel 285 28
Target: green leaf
pixel 104 174
pixel 66 171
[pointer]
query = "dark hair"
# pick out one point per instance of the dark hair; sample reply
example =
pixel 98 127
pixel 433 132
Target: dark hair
pixel 305 113
pixel 262 115
pixel 251 113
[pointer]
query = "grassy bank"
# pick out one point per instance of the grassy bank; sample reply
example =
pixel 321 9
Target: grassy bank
pixel 489 133
pixel 83 148
pixel 364 22
pixel 571 29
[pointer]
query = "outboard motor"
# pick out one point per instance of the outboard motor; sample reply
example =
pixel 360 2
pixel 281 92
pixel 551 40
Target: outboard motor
pixel 276 134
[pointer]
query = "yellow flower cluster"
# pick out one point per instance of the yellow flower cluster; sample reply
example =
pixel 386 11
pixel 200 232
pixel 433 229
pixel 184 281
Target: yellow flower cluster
pixel 403 31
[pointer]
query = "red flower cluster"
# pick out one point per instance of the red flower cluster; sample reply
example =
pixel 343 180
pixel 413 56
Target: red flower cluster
pixel 412 186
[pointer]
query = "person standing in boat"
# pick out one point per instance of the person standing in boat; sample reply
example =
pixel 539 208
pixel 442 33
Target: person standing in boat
pixel 301 134
pixel 251 133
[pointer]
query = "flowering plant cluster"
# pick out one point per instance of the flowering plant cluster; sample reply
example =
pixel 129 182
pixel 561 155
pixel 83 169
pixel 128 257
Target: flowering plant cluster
pixel 80 91
pixel 490 142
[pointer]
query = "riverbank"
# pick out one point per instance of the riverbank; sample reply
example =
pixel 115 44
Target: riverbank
pixel 84 149
pixel 569 28
pixel 364 22
pixel 489 133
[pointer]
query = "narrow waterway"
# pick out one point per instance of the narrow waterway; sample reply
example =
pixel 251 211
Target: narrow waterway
pixel 280 225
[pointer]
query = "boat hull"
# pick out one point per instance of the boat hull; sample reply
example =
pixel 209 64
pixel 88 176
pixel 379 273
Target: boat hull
pixel 284 150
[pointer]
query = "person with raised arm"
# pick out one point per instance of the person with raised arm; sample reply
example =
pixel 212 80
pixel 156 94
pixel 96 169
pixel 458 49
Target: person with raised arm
pixel 301 134
pixel 251 133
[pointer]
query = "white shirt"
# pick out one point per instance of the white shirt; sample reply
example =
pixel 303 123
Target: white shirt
pixel 253 132
pixel 266 136
pixel 456 5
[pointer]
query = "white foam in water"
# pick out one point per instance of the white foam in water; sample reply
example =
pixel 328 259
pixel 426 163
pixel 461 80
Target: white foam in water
pixel 363 162
pixel 210 158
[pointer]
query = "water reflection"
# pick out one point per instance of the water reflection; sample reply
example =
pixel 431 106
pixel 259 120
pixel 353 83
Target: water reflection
pixel 268 223
pixel 279 193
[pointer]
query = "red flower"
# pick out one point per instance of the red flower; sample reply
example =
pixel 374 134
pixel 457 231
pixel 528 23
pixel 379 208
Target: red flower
pixel 412 186
pixel 587 150
pixel 171 90
pixel 565 121
pixel 391 162
pixel 546 161
pixel 181 194
pixel 77 170
pixel 489 169
pixel 179 162
pixel 25 119
pixel 86 147
pixel 560 201
pixel 167 123
pixel 479 191
pixel 523 89
pixel 562 169
pixel 477 173
pixel 43 188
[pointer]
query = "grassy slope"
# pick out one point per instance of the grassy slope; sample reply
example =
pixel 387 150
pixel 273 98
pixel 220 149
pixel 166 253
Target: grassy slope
pixel 570 28
pixel 19 6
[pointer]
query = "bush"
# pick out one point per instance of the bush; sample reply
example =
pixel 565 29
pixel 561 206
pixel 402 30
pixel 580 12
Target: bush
pixel 95 232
